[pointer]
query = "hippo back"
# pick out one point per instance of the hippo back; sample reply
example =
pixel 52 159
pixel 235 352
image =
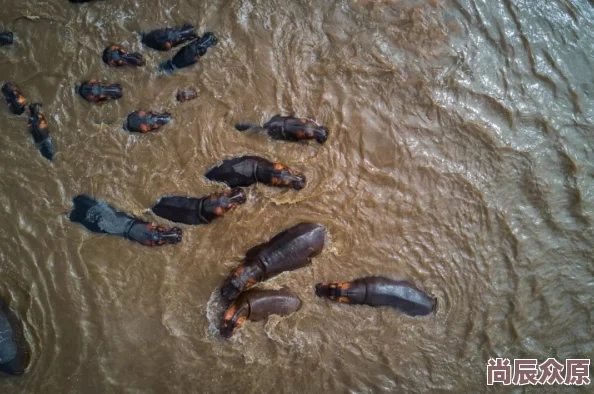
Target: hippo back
pixel 179 209
pixel 98 216
pixel 264 303
pixel 290 249
pixel 236 172
pixel 401 295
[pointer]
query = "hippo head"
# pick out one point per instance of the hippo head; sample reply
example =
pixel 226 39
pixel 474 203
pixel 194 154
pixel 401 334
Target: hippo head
pixel 298 181
pixel 166 235
pixel 321 134
pixel 208 40
pixel 244 277
pixel 235 316
pixel 14 98
pixel 335 291
pixel 35 109
pixel 8 88
pixel 221 203
pixel 157 235
pixel 286 177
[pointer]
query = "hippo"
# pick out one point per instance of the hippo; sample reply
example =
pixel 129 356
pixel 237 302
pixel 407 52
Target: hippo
pixel 256 305
pixel 379 291
pixel 287 251
pixel 117 56
pixel 99 217
pixel 186 95
pixel 247 170
pixel 170 37
pixel 144 121
pixel 17 103
pixel 81 1
pixel 15 351
pixel 288 128
pixel 94 91
pixel 189 54
pixel 6 38
pixel 203 210
pixel 37 126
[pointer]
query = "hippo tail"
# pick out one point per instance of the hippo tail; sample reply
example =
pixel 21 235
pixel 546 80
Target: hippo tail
pixel 245 126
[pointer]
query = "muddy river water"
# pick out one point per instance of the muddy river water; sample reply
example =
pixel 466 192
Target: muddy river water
pixel 460 158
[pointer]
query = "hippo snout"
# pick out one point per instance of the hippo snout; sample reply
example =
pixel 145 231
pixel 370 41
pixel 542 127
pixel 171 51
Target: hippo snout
pixel 164 118
pixel 171 236
pixel 299 182
pixel 229 292
pixel 322 135
pixel 210 38
pixel 321 290
pixel 238 196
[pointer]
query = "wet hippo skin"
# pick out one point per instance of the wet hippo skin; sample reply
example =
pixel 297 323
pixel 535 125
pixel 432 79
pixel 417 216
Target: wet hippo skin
pixel 379 291
pixel 247 170
pixel 289 250
pixel 190 210
pixel 289 128
pixel 257 305
pixel 99 217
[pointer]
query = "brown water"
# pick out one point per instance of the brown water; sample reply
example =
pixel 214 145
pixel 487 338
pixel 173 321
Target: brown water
pixel 461 158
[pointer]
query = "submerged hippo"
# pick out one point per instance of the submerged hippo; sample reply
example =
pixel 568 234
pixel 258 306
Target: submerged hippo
pixel 144 121
pixel 287 251
pixel 246 170
pixel 378 291
pixel 81 1
pixel 6 38
pixel 100 217
pixel 17 103
pixel 289 128
pixel 256 305
pixel 170 37
pixel 203 210
pixel 117 56
pixel 190 54
pixel 186 95
pixel 15 352
pixel 95 91
pixel 38 128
